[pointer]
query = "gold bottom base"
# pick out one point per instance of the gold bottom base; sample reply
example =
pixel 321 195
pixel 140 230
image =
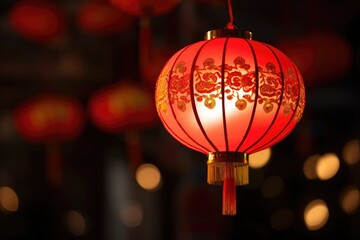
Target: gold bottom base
pixel 230 165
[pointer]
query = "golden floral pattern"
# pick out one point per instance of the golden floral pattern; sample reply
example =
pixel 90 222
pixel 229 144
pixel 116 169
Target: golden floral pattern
pixel 240 86
pixel 161 91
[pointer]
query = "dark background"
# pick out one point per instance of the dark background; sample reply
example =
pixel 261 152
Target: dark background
pixel 95 166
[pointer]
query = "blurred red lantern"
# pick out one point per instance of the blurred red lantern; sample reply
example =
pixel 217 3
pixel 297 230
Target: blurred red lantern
pixel 124 107
pixel 50 119
pixel 41 21
pixel 102 18
pixel 145 7
pixel 321 56
pixel 229 96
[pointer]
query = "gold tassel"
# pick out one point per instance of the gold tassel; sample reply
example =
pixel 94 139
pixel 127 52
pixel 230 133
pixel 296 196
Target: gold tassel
pixel 229 169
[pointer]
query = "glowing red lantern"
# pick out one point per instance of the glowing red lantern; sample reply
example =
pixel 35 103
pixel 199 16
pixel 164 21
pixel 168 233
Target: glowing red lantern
pixel 101 18
pixel 41 21
pixel 122 106
pixel 145 7
pixel 229 96
pixel 50 119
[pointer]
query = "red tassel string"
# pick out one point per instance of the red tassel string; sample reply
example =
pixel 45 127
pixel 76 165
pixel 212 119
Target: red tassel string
pixel 229 192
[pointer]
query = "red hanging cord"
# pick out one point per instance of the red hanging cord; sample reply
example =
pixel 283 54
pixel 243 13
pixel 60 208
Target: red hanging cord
pixel 229 191
pixel 230 25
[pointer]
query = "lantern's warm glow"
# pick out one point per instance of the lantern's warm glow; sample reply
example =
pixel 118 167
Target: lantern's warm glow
pixel 351 152
pixel 309 167
pixel 350 199
pixel 229 97
pixel 148 177
pixel 42 21
pixel 75 223
pixel 316 214
pixel 131 214
pixel 9 201
pixel 327 166
pixel 260 159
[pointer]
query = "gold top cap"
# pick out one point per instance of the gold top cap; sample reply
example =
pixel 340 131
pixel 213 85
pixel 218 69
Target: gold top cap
pixel 239 157
pixel 216 33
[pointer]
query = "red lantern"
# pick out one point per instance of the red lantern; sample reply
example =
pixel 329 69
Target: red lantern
pixel 50 119
pixel 101 18
pixel 229 96
pixel 145 7
pixel 41 21
pixel 122 106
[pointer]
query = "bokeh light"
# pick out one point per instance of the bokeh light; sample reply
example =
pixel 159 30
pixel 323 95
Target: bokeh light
pixel 148 177
pixel 131 214
pixel 316 214
pixel 9 201
pixel 281 219
pixel 350 199
pixel 259 159
pixel 327 166
pixel 75 223
pixel 351 152
pixel 272 186
pixel 309 167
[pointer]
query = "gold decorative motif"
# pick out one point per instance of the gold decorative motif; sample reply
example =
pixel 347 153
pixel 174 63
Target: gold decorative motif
pixel 240 86
pixel 161 95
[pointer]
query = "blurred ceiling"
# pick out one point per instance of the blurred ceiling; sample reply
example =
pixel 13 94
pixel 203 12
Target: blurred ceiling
pixel 79 63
